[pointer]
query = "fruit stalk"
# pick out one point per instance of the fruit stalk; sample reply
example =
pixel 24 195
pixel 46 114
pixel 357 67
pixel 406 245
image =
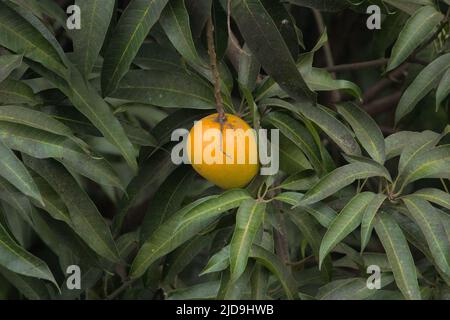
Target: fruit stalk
pixel 215 71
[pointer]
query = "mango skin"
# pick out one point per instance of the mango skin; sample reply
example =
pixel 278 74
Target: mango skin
pixel 236 174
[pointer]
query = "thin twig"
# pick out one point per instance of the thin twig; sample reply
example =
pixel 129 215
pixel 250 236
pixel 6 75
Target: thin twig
pixel 369 64
pixel 215 71
pixel 358 65
pixel 121 289
pixel 383 104
pixel 299 263
pixel 336 96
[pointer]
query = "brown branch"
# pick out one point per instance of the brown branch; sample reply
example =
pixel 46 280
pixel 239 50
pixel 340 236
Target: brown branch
pixel 395 76
pixel 121 289
pixel 383 104
pixel 215 71
pixel 358 65
pixel 369 64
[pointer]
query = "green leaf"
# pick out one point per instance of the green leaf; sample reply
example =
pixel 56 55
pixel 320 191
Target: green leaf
pixel 163 89
pixel 292 158
pixel 181 258
pixel 86 219
pixel 52 202
pixel 436 196
pixel 130 32
pixel 43 9
pixel 12 169
pixel 218 262
pixel 31 288
pixel 44 145
pixel 167 200
pixel 409 6
pixel 399 255
pixel 274 264
pixel 320 211
pixel 152 173
pixel 153 56
pixel 206 290
pixel 249 68
pixel 443 90
pixel 235 290
pixel 38 120
pixel 254 110
pixel 432 164
pixel 350 289
pixel 21 37
pixel 322 5
pixel 182 226
pixel 366 130
pixel 417 29
pixel 298 134
pixel 88 40
pixel 259 283
pixel 340 178
pixel 422 85
pixel 345 222
pixel 332 127
pixel 422 142
pixel 369 218
pixel 267 44
pixel 431 226
pixel 87 100
pixel 8 63
pixel 13 91
pixel 16 259
pixel 248 221
pixel 309 230
pixel 321 80
pixel 303 180
pixel 396 143
pixel 175 22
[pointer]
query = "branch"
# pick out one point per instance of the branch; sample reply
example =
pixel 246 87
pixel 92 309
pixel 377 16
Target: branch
pixel 369 64
pixel 121 289
pixel 383 104
pixel 395 76
pixel 358 65
pixel 336 96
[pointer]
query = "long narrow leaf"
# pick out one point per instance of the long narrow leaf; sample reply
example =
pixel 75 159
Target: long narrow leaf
pixel 134 25
pixel 248 221
pixel 399 255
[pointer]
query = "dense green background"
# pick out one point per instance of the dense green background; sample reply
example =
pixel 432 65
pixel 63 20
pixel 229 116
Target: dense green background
pixel 86 178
